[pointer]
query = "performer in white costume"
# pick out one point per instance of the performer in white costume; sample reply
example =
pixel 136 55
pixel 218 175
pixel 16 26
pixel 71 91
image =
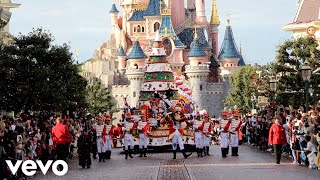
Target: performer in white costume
pixel 207 131
pixel 198 127
pixel 225 125
pixel 143 129
pixel 234 133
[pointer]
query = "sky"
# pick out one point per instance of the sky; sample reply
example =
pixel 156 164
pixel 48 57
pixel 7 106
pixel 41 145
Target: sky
pixel 86 24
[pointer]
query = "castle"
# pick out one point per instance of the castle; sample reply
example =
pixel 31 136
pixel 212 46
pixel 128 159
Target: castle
pixel 191 47
pixel 5 16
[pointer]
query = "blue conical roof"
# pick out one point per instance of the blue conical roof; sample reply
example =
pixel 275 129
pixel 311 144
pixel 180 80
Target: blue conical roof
pixel 113 9
pixel 153 8
pixel 241 62
pixel 137 16
pixel 229 48
pixel 122 53
pixel 196 49
pixel 136 52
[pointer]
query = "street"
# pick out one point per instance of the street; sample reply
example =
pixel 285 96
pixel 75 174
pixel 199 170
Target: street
pixel 250 164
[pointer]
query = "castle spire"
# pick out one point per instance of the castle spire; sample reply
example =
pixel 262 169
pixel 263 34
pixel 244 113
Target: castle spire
pixel 214 15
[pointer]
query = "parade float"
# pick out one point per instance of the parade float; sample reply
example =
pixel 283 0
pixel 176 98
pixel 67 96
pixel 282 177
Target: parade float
pixel 163 93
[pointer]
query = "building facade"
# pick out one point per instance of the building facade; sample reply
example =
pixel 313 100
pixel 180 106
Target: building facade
pixel 306 21
pixel 191 47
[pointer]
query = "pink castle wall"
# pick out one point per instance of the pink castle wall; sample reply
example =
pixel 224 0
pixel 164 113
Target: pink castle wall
pixel 177 12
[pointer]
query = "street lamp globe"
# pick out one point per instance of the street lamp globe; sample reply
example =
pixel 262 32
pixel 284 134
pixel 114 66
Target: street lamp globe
pixel 273 84
pixel 306 71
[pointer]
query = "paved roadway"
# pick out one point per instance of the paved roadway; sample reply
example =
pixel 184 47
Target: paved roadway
pixel 251 164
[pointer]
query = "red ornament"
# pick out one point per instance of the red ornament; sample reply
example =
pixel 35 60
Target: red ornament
pixel 154 88
pixel 160 85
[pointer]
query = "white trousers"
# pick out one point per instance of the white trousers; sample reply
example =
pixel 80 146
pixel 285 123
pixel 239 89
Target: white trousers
pixel 206 140
pixel 108 144
pixel 128 139
pixel 102 148
pixel 234 140
pixel 177 140
pixel 224 140
pixel 143 141
pixel 199 139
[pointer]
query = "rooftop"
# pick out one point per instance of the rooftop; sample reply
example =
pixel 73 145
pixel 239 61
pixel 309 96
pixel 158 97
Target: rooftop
pixel 136 52
pixel 308 10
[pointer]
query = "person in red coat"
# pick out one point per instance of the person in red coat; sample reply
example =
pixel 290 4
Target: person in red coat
pixel 277 138
pixel 61 139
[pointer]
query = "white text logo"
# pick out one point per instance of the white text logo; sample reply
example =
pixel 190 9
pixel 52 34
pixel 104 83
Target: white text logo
pixel 29 167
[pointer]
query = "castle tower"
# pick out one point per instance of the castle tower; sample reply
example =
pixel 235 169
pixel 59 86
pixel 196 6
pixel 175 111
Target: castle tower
pixel 201 18
pixel 229 56
pixel 114 16
pixel 213 31
pixel 178 15
pixel 134 71
pixel 122 61
pixel 198 72
pixel 6 15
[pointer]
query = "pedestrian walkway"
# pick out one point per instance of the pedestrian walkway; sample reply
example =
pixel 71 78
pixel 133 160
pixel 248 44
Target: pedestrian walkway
pixel 251 164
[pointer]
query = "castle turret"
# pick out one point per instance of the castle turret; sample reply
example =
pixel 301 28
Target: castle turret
pixel 197 72
pixel 122 61
pixel 213 31
pixel 229 56
pixel 134 71
pixel 201 18
pixel 196 54
pixel 114 15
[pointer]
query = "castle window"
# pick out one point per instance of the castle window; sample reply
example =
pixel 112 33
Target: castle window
pixel 199 63
pixel 231 65
pixel 134 94
pixel 136 65
pixel 138 28
pixel 134 29
pixel 200 87
pixel 142 29
pixel 227 65
pixel 156 26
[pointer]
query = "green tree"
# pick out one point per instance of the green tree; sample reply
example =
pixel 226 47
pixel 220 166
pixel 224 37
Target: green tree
pixel 35 74
pixel 291 56
pixel 243 87
pixel 99 99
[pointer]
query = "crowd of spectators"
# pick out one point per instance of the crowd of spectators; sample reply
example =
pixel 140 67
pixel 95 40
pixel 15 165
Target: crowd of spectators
pixel 302 132
pixel 30 138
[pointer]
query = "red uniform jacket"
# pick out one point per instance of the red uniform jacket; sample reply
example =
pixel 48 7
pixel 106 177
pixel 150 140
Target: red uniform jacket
pixel 277 135
pixel 60 134
pixel 172 129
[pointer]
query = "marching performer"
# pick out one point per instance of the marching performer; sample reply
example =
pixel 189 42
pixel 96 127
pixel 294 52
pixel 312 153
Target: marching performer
pixel 101 148
pixel 234 133
pixel 176 131
pixel 129 127
pixel 108 133
pixel 143 129
pixel 198 127
pixel 225 125
pixel 207 129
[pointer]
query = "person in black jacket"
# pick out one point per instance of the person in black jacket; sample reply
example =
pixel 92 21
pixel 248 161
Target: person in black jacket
pixel 84 142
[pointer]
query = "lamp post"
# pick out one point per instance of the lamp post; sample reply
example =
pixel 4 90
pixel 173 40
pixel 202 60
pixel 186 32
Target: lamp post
pixel 306 75
pixel 273 87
